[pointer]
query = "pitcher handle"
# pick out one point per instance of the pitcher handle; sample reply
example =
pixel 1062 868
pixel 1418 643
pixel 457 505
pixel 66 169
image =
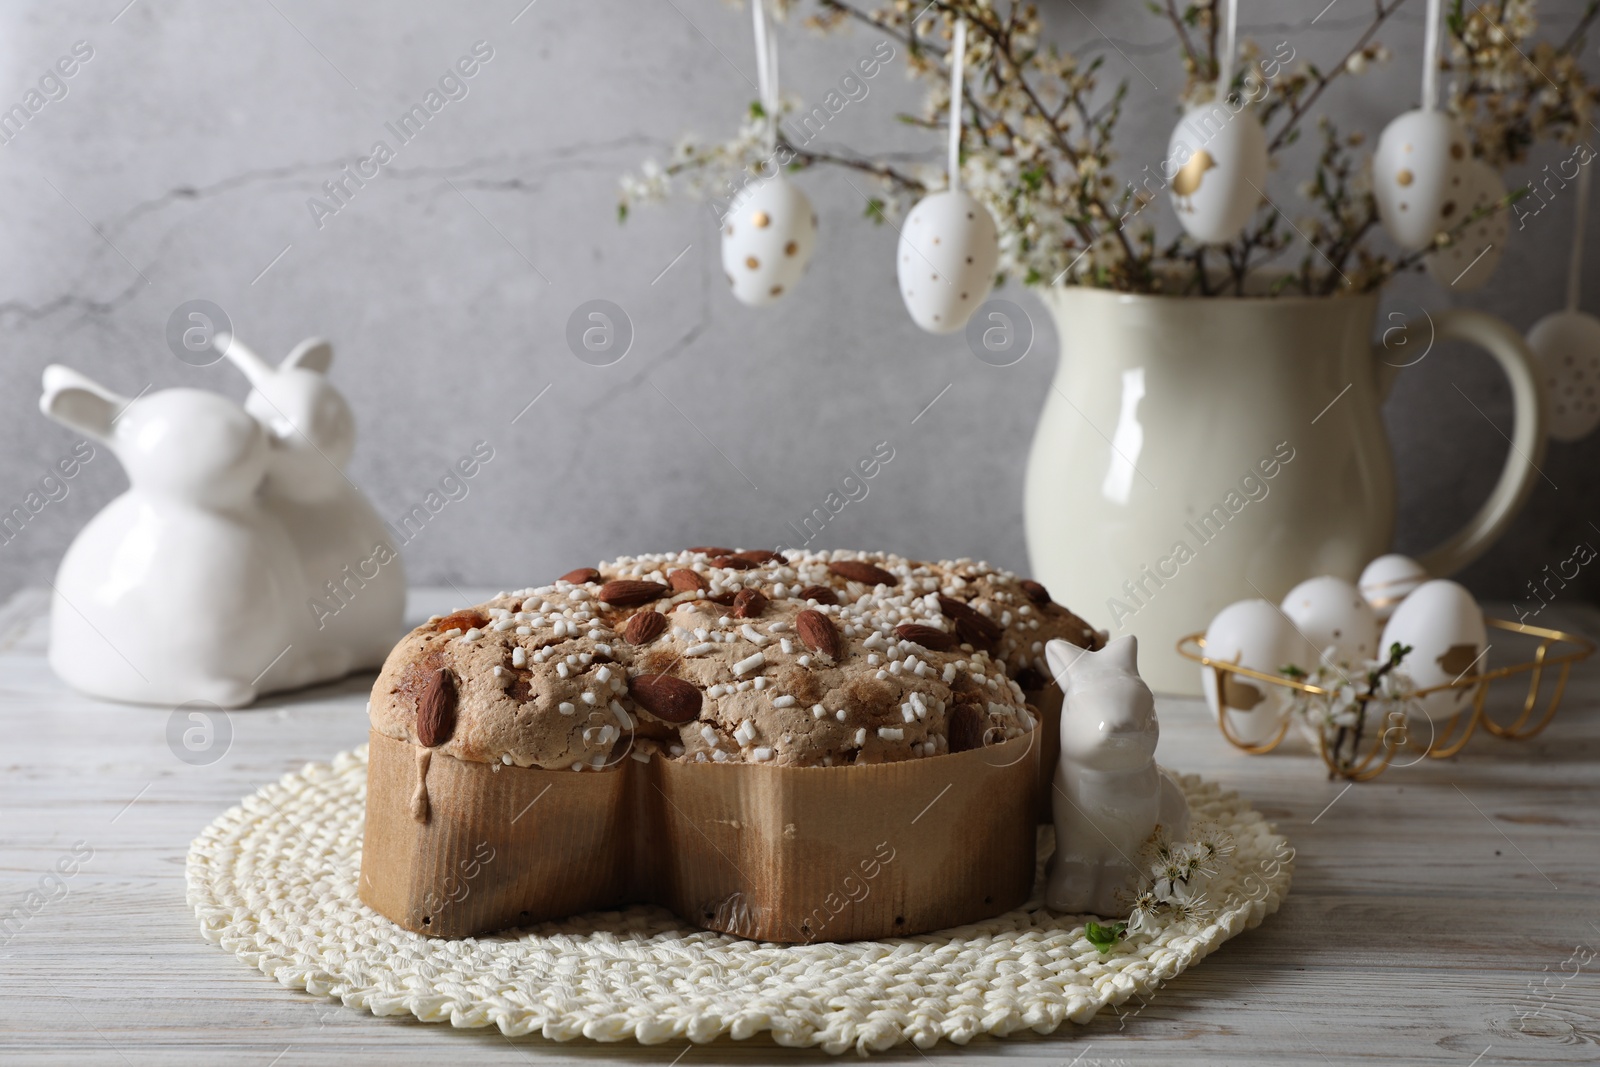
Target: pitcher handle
pixel 1528 432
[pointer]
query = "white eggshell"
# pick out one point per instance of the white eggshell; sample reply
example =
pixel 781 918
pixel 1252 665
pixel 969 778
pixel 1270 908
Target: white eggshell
pixel 1387 581
pixel 1444 627
pixel 1418 155
pixel 1567 345
pixel 946 261
pixel 1254 634
pixel 1467 262
pixel 767 239
pixel 1224 173
pixel 1332 614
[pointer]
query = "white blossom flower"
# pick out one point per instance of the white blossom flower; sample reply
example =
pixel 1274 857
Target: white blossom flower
pixel 1144 913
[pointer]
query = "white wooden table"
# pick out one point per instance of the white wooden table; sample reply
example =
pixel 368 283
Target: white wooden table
pixel 1424 905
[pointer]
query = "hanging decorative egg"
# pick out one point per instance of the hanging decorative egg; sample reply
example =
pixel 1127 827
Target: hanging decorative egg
pixel 1468 261
pixel 1567 345
pixel 767 241
pixel 1224 172
pixel 1418 155
pixel 948 253
pixel 1443 625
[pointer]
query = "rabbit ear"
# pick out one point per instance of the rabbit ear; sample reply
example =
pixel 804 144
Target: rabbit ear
pixel 1124 653
pixel 313 354
pixel 1062 657
pixel 76 401
pixel 240 355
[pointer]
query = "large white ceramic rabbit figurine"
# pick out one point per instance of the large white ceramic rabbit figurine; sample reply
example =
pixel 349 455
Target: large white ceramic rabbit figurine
pixel 356 586
pixel 1109 794
pixel 184 588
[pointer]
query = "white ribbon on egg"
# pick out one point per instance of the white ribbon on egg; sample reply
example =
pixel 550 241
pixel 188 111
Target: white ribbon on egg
pixel 766 71
pixel 1230 48
pixel 958 62
pixel 1580 220
pixel 1430 57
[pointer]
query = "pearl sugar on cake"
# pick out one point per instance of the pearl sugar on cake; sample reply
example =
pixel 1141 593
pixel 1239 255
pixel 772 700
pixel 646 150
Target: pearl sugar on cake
pixel 767 240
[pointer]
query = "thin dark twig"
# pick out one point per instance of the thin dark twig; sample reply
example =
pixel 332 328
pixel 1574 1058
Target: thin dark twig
pixel 1580 29
pixel 1298 111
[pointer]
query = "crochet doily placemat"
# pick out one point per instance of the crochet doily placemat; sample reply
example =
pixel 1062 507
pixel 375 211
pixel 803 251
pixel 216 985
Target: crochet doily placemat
pixel 273 880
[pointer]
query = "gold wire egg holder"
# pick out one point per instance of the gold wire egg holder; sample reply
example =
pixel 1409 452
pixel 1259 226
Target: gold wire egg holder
pixel 1449 738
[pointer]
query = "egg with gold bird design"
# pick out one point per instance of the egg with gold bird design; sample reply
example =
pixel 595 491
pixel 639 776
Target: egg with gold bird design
pixel 1190 174
pixel 1217 160
pixel 767 240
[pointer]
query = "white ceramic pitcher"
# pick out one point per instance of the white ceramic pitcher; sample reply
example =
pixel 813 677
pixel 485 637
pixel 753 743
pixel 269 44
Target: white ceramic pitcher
pixel 1193 452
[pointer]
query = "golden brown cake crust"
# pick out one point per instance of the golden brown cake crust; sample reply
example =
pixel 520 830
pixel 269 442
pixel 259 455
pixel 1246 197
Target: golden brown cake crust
pixel 564 676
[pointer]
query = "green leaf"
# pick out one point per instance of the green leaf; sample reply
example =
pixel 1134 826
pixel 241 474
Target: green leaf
pixel 622 212
pixel 1104 938
pixel 756 110
pixel 874 210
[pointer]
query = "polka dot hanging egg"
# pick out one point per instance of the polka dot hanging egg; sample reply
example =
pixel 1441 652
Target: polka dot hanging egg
pixel 1567 346
pixel 767 240
pixel 1418 155
pixel 946 261
pixel 1468 261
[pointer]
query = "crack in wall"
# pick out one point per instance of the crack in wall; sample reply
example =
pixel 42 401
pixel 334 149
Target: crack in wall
pixel 582 155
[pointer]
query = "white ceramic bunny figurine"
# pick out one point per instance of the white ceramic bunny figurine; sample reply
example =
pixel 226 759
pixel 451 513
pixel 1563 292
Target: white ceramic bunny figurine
pixel 356 586
pixel 184 588
pixel 1109 794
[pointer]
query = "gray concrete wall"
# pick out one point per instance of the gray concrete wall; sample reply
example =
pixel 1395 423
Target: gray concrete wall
pixel 179 164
